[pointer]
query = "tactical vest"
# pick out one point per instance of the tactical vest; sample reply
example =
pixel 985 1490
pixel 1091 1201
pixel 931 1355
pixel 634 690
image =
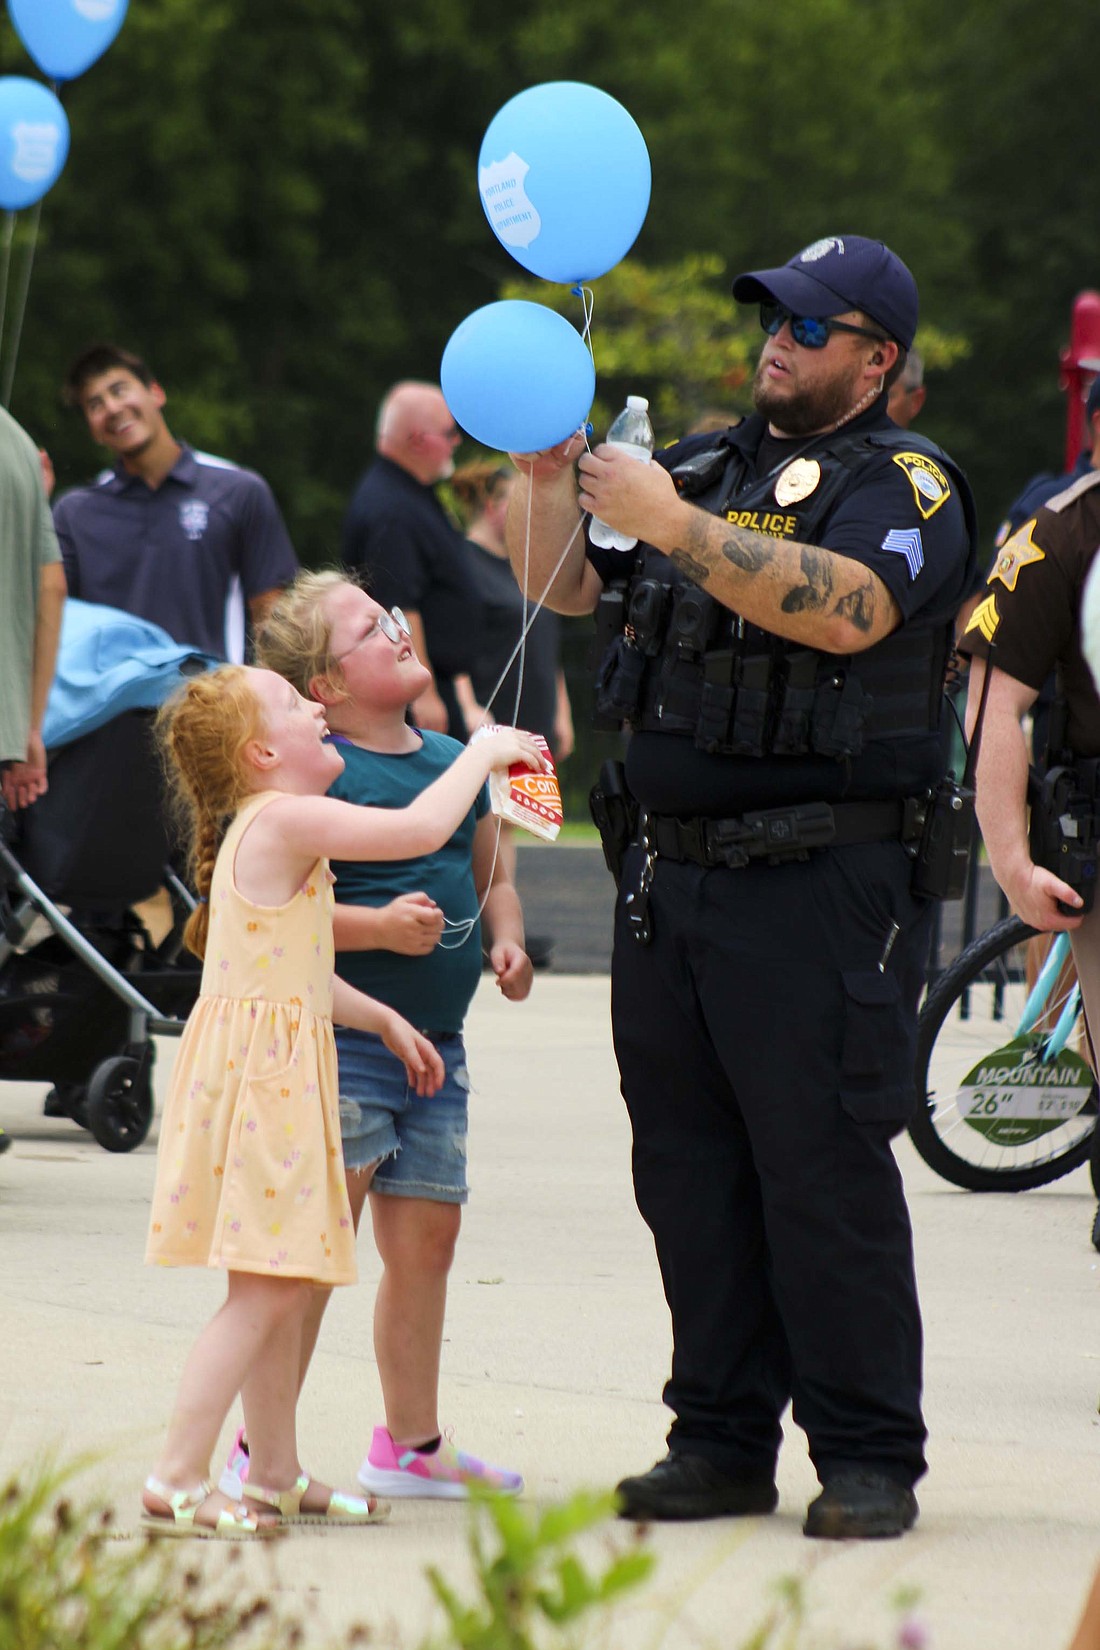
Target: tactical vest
pixel 675 660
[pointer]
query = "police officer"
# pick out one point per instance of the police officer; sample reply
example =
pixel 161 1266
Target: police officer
pixel 1025 507
pixel 1031 618
pixel 776 643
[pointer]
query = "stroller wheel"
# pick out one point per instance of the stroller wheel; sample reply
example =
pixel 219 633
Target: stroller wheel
pixel 120 1102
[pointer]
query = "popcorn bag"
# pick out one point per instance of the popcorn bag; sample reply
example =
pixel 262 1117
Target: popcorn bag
pixel 532 800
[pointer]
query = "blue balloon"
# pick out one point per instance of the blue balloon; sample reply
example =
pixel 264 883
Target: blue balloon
pixel 517 376
pixel 564 177
pixel 66 36
pixel 34 141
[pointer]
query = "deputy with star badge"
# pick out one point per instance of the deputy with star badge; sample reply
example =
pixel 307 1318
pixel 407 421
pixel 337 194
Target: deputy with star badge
pixel 1030 619
pixel 776 645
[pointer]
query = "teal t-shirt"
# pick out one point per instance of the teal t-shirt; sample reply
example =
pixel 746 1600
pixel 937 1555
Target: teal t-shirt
pixel 433 992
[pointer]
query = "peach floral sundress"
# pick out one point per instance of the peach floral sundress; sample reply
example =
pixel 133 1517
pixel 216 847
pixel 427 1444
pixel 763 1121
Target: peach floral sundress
pixel 250 1170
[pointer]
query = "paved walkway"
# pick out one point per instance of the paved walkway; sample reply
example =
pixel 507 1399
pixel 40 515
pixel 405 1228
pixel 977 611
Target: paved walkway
pixel 557 1346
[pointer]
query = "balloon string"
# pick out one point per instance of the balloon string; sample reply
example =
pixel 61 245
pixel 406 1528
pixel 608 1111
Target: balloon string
pixel 469 923
pixel 5 266
pixel 21 307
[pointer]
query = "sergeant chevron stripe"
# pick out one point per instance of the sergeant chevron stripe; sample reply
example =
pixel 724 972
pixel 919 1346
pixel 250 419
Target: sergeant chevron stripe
pixel 906 542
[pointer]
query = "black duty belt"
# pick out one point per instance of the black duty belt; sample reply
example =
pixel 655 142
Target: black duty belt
pixel 777 834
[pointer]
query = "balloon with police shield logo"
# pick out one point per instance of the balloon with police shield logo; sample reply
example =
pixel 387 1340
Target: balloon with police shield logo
pixel 564 177
pixel 34 141
pixel 66 36
pixel 517 376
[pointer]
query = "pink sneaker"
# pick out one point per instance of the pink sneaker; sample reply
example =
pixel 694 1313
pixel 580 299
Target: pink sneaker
pixel 442 1474
pixel 235 1476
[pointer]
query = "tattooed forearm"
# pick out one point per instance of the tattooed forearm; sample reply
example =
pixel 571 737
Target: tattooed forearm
pixel 858 606
pixel 694 569
pixel 745 551
pixel 812 596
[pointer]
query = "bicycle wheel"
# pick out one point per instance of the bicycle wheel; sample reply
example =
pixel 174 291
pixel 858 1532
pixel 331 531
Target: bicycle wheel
pixel 972 1011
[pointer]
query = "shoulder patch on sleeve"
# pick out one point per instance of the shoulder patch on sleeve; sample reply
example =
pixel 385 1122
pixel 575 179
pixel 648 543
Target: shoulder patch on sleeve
pixel 1020 551
pixel 931 487
pixel 985 618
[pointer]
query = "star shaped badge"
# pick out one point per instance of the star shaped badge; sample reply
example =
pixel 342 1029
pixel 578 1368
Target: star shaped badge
pixel 1020 551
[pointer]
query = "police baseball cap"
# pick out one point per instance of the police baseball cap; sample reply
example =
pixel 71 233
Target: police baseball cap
pixel 836 274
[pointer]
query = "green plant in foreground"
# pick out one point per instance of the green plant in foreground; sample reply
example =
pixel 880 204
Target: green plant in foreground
pixel 67 1584
pixel 532 1589
pixel 787 1627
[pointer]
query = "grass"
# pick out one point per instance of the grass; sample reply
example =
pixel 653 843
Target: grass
pixel 574 833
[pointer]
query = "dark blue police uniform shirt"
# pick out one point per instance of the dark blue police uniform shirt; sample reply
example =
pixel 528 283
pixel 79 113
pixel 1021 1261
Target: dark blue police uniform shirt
pixel 397 535
pixel 186 555
pixel 889 518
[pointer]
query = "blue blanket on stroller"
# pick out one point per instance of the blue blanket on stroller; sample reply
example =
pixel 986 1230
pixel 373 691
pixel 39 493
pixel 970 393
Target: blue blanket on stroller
pixel 108 662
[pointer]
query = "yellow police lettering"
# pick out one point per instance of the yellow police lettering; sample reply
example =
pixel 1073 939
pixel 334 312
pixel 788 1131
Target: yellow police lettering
pixel 770 522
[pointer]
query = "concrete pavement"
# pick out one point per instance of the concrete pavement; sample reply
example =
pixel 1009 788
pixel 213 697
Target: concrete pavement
pixel 557 1346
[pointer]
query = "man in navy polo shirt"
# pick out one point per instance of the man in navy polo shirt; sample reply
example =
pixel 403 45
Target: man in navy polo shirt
pixel 175 536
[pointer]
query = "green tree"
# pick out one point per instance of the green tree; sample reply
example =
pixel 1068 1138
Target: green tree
pixel 278 202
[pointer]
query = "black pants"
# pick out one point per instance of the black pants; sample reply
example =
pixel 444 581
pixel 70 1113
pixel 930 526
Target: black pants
pixel 766 1063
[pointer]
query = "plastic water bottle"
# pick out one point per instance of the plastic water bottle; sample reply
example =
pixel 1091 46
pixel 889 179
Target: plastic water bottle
pixel 630 433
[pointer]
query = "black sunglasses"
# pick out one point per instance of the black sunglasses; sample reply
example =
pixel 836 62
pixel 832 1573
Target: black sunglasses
pixel 809 331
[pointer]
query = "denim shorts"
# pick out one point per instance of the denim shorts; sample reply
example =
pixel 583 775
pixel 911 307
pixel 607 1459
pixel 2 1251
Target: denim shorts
pixel 419 1141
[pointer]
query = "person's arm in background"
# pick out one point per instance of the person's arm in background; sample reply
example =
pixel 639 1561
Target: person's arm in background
pixel 410 924
pixel 544 499
pixel 428 711
pixel 1087 1636
pixel 473 714
pixel 1032 892
pixel 564 740
pixel 24 782
pixel 260 606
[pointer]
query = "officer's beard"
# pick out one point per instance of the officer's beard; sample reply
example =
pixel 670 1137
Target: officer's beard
pixel 814 410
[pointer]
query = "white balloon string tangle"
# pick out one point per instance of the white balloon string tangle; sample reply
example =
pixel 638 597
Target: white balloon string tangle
pixel 588 304
pixel 21 307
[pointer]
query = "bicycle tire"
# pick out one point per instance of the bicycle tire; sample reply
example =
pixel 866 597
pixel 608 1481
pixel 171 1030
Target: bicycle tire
pixel 941 1136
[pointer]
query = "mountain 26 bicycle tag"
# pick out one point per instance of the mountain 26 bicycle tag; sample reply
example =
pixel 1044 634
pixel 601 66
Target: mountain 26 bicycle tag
pixel 1013 1095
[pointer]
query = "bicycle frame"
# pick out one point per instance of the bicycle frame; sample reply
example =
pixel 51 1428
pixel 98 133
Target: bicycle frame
pixel 1037 1001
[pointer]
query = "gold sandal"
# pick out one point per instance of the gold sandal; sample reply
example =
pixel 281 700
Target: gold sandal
pixel 234 1523
pixel 341 1508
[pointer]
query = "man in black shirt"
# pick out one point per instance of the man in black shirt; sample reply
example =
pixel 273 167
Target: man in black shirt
pixel 776 642
pixel 398 536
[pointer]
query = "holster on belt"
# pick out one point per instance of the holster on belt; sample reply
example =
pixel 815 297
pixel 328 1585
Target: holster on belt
pixel 615 815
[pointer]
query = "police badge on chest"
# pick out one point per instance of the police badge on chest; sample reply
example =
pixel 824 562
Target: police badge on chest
pixel 194 515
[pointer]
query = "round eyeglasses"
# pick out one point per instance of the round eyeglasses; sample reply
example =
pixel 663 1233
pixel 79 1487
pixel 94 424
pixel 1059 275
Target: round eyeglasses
pixel 809 331
pixel 393 625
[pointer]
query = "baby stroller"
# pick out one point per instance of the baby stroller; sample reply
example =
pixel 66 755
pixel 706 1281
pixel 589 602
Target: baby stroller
pixel 83 989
